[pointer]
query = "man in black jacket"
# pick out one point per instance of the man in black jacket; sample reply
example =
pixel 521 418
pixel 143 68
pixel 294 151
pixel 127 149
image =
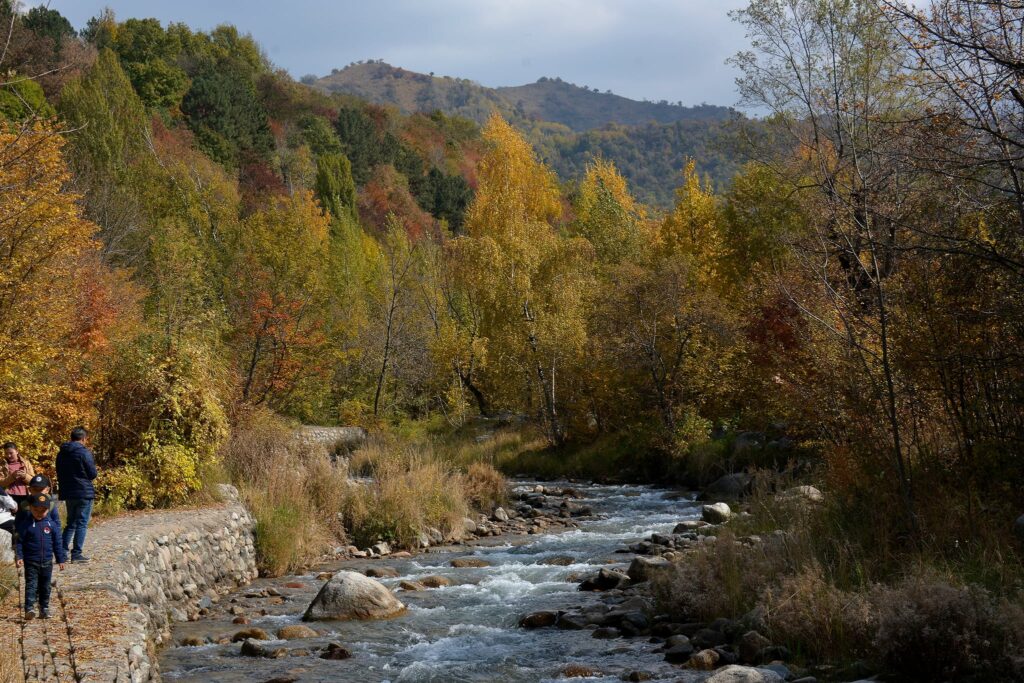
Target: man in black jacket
pixel 75 471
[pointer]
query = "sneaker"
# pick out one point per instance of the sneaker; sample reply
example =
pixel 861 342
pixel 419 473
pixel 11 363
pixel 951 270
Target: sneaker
pixel 44 613
pixel 81 559
pixel 29 615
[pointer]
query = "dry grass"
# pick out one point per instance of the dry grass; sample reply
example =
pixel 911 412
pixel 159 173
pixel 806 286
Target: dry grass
pixel 484 487
pixel 293 491
pixel 409 491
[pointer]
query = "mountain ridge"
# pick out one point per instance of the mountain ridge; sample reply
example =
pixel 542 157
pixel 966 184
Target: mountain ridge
pixel 548 99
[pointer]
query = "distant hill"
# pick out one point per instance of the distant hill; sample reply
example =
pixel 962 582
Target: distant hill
pixel 568 124
pixel 549 99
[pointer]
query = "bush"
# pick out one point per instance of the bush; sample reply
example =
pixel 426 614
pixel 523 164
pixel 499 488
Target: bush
pixel 161 424
pixel 408 493
pixel 721 579
pixel 484 487
pixel 295 492
pixel 817 620
pixel 929 630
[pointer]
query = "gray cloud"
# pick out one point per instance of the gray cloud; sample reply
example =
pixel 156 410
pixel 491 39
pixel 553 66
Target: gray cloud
pixel 654 49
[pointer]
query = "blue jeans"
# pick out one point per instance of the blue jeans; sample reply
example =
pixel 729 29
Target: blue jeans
pixel 79 512
pixel 37 582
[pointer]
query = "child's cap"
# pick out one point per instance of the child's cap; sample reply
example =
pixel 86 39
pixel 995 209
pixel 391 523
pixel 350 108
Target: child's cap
pixel 40 481
pixel 40 500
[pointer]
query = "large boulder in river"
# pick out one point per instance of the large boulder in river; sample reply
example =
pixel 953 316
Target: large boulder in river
pixel 730 487
pixel 807 494
pixel 716 513
pixel 744 674
pixel 352 596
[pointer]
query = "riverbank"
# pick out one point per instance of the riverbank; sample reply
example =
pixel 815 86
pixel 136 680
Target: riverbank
pixel 147 571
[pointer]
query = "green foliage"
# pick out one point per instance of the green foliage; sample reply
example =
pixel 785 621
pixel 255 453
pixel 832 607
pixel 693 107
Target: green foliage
pixel 225 114
pixel 21 99
pixel 365 145
pixel 317 133
pixel 149 56
pixel 48 23
pixel 335 189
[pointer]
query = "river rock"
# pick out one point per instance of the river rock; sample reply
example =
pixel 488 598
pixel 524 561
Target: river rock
pixel 604 580
pixel 730 487
pixel 705 660
pixel 349 595
pixel 253 633
pixel 463 562
pixel 296 632
pixel 469 525
pixel 538 620
pixel 645 568
pixel 435 581
pixel 716 513
pixel 381 549
pixel 579 671
pixel 500 515
pixel 678 650
pixel 192 641
pixel 411 586
pixel 335 651
pixel 559 561
pixel 638 676
pixel 750 646
pixel 253 648
pixel 381 573
pixel 689 525
pixel 744 674
pixel 1018 528
pixel 807 494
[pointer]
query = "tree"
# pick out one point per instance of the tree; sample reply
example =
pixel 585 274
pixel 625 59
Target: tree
pixel 334 186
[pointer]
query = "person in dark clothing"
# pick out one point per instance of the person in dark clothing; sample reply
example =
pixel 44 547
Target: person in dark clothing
pixel 76 470
pixel 36 544
pixel 36 485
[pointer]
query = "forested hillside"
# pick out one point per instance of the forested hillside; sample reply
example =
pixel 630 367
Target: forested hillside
pixel 193 243
pixel 570 125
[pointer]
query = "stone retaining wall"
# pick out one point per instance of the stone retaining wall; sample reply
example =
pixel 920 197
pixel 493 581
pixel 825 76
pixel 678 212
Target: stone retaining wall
pixel 147 571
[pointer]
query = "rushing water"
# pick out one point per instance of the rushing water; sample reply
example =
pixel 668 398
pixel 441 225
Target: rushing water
pixel 466 631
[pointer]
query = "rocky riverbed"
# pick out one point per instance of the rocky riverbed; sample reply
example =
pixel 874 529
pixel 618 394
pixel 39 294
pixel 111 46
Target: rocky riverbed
pixel 553 602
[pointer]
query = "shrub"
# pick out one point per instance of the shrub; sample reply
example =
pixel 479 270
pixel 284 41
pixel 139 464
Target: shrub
pixel 929 630
pixel 723 579
pixel 484 487
pixel 161 425
pixel 295 492
pixel 408 492
pixel 816 619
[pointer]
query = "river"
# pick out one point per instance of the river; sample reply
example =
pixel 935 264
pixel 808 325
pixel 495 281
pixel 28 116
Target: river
pixel 466 632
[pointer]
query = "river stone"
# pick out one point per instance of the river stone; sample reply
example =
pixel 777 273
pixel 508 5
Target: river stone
pixel 469 525
pixel 500 514
pixel 1018 528
pixel 638 676
pixel 296 632
pixel 804 493
pixel 730 487
pixel 349 595
pixel 411 586
pixel 688 525
pixel 579 671
pixel 751 644
pixel 381 573
pixel 645 568
pixel 538 620
pixel 192 641
pixel 705 660
pixel 462 562
pixel 744 674
pixel 253 648
pixel 335 651
pixel 716 513
pixel 435 581
pixel 604 580
pixel 381 549
pixel 253 633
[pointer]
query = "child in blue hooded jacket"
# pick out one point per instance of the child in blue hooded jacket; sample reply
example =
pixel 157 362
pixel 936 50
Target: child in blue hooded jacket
pixel 37 543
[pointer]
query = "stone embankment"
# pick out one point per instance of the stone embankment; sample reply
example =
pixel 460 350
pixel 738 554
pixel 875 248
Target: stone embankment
pixel 147 570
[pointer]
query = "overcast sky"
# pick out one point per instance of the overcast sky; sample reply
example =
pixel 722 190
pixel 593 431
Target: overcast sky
pixel 654 49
